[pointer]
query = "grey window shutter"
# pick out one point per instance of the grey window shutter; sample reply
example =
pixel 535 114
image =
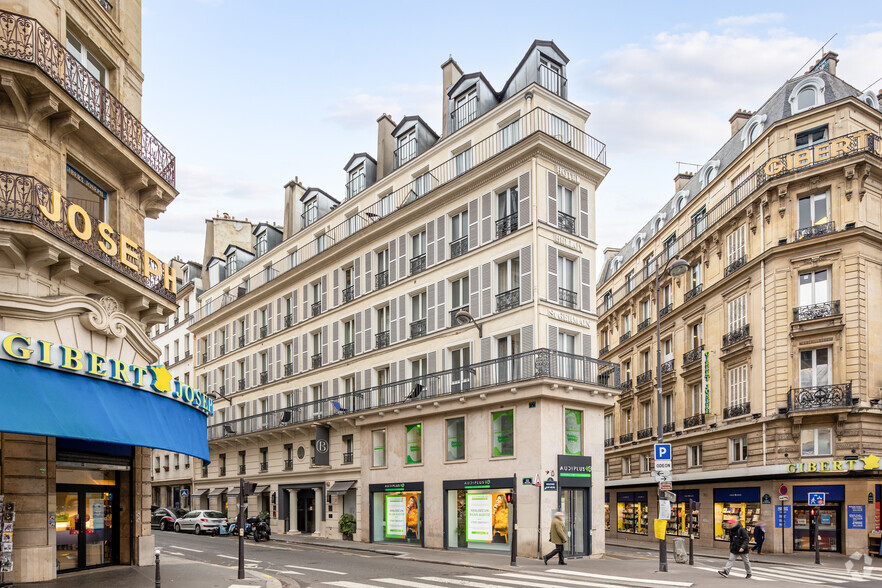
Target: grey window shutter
pixel 366 380
pixel 474 292
pixel 368 336
pixel 227 335
pixel 485 289
pixel 305 353
pixel 336 288
pixel 368 273
pixel 393 260
pixel 324 391
pixel 393 372
pixel 431 362
pixel 440 315
pixel 524 200
pixel 356 280
pixel 269 318
pixel 255 378
pixel 552 199
pixel 527 338
pixel 402 257
pixel 440 249
pixel 486 348
pixel 279 371
pixel 324 344
pixel 473 224
pixel 552 274
pixel 486 217
pixel 357 334
pixel 584 214
pixel 295 352
pixel 294 306
pixel 234 330
pixel 336 386
pixel 393 321
pixel 305 301
pixel 279 314
pixel 325 293
pixel 358 381
pixel 336 341
pixel 269 364
pixel 586 345
pixel 215 338
pixel 402 319
pixel 585 278
pixel 430 308
pixel 552 337
pixel 526 266
pixel 402 373
pixel 254 327
pixel 430 243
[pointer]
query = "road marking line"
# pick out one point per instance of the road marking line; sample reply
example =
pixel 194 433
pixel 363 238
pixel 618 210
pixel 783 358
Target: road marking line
pixel 317 570
pixel 795 577
pixel 460 582
pixel 621 578
pixel 543 584
pixel 285 572
pixel 174 553
pixel 236 558
pixel 741 575
pixel 186 548
pixel 351 585
pixel 526 576
pixel 825 573
pixel 399 582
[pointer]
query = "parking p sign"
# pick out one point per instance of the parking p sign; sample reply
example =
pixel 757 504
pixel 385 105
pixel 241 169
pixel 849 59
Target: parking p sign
pixel 662 451
pixel 816 499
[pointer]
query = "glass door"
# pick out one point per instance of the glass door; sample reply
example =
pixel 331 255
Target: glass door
pixel 574 505
pixel 828 528
pixel 85 535
pixel 67 530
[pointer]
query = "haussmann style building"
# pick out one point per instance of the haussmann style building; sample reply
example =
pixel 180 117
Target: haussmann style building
pixel 770 372
pixel 412 348
pixel 83 394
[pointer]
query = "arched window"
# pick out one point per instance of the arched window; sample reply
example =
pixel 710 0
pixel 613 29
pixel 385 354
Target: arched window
pixel 753 129
pixel 807 94
pixel 870 99
pixel 638 242
pixel 682 197
pixel 806 98
pixel 659 223
pixel 708 172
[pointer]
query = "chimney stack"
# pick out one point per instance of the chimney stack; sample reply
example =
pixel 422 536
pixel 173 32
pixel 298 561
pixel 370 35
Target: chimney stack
pixel 739 119
pixel 450 74
pixel 385 145
pixel 681 179
pixel 879 95
pixel 294 190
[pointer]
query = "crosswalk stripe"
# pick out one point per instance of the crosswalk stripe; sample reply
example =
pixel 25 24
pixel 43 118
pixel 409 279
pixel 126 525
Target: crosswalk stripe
pixel 497 578
pixel 782 575
pixel 231 557
pixel 461 582
pixel 562 580
pixel 824 576
pixel 344 584
pixel 317 570
pixel 621 578
pixel 740 574
pixel 825 573
pixel 285 572
pixel 186 548
pixel 399 582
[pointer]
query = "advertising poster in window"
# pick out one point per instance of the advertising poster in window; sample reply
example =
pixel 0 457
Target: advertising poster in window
pixel 573 425
pixel 486 518
pixel 396 516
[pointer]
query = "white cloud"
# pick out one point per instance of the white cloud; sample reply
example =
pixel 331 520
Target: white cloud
pixel 750 20
pixel 361 110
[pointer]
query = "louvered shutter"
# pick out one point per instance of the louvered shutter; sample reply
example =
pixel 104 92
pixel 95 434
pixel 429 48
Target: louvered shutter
pixel 335 343
pixel 402 257
pixel 486 277
pixel 585 278
pixel 336 288
pixel 305 302
pixel 486 218
pixel 486 348
pixel 393 321
pixel 526 268
pixel 473 225
pixel 368 273
pixel 552 274
pixel 254 327
pixel 235 331
pixel 325 293
pixel 552 199
pixel 279 314
pixel 255 375
pixel 586 345
pixel 430 243
pixel 356 280
pixel 358 334
pixel 431 362
pixel 402 319
pixel 324 350
pixel 368 335
pixel 440 230
pixel 584 214
pixel 552 337
pixel 440 314
pixel 474 292
pixel 527 338
pixel 430 308
pixel 305 352
pixel 270 362
pixel 393 261
pixel 524 200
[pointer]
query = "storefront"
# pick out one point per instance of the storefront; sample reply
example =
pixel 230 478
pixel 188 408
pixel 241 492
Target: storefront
pixel 633 512
pixel 829 519
pixel 396 513
pixel 742 504
pixel 574 473
pixel 679 523
pixel 477 514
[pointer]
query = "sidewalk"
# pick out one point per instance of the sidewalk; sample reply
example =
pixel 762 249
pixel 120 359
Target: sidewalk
pixel 174 571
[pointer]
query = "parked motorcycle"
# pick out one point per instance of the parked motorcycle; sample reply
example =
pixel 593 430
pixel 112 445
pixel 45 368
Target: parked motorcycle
pixel 261 528
pixel 233 528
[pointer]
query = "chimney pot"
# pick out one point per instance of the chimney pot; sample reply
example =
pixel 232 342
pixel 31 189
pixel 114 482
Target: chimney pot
pixel 680 180
pixel 738 120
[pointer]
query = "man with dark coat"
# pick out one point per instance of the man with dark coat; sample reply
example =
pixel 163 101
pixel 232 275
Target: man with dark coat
pixel 558 536
pixel 739 544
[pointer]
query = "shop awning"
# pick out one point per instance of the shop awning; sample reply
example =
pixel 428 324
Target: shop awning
pixel 53 403
pixel 341 487
pixel 261 489
pixel 200 492
pixel 234 491
pixel 217 491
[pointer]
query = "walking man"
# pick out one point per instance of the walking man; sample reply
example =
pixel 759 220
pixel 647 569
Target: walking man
pixel 739 544
pixel 558 536
pixel 759 535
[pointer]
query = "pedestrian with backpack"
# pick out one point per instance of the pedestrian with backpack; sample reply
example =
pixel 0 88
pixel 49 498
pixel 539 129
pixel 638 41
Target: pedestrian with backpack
pixel 739 544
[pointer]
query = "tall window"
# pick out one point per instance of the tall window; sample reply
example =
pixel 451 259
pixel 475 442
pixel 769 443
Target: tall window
pixel 695 335
pixel 510 134
pixel 817 441
pixel 814 288
pixel 566 360
pixel 91 62
pixel 738 449
pixel 627 419
pixel 414 439
pixel 630 281
pixel 418 306
pixel 699 222
pixel 645 415
pixel 378 453
pixel 566 278
pixel 460 360
pixel 564 200
pixel 508 274
pixel 813 210
pixel 260 246
pixel 418 367
pixel 356 181
pixel 382 261
pixel 814 367
pixel 608 426
pixel 310 214
pixel 737 313
pixel 502 433
pixel 670 246
pixel 735 245
pixel 383 319
pixel 455 433
pixel 317 293
pixel 506 348
pixel 459 293
pixel 626 323
pixel 668 408
pixel 626 465
pixel 695 398
pixel 462 161
pixel 459 225
pixel 466 108
pixel 695 275
pixel 406 147
pixel 737 380
pixel 667 349
pixel 507 202
pixel 645 310
pixel 667 294
pixel 694 456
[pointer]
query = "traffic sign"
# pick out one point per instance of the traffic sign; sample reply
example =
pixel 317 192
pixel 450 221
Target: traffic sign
pixel 662 452
pixel 663 465
pixel 816 498
pixel 661 476
pixel 666 486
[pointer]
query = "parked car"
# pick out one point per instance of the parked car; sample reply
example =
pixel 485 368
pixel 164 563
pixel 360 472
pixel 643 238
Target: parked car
pixel 200 520
pixel 164 518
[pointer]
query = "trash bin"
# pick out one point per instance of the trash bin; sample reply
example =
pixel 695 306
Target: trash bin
pixel 680 555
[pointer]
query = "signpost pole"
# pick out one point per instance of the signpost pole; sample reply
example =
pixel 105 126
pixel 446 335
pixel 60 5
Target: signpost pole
pixel 817 535
pixel 691 530
pixel 514 531
pixel 782 527
pixel 240 525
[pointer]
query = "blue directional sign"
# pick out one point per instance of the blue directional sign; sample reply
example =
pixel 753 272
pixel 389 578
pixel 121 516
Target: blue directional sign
pixel 662 451
pixel 816 499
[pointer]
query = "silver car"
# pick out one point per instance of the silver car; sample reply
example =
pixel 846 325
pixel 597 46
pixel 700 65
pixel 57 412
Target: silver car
pixel 200 520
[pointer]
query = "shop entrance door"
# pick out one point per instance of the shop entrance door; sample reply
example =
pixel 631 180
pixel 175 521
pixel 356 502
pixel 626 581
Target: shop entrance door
pixel 574 505
pixel 829 530
pixel 85 534
pixel 306 510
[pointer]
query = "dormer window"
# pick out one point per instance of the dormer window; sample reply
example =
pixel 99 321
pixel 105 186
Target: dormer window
pixel 232 264
pixel 551 75
pixel 260 246
pixel 407 147
pixel 310 214
pixel 709 172
pixel 806 98
pixel 465 108
pixel 356 182
pixel 807 94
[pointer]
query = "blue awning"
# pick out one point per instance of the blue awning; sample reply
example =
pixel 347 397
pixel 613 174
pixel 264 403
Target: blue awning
pixel 39 401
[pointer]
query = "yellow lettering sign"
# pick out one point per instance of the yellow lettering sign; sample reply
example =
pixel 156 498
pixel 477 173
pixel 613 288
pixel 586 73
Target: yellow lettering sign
pixel 128 253
pixel 71 359
pixel 22 352
pixel 107 244
pixel 53 212
pixel 802 158
pixel 773 167
pixel 74 211
pixel 96 364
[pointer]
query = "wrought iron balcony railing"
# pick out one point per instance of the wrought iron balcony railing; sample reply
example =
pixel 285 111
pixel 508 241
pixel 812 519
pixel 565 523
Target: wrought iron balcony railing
pixel 347 457
pixel 222 390
pixel 667 367
pixel 381 280
pixel 693 421
pixel 355 185
pixel 626 438
pixel 204 358
pixel 107 6
pixel 289 464
pixel 568 298
pixel 507 300
pixel 241 469
pixel 624 337
pixel 464 114
pixel 316 308
pixel 25 39
pixel 177 358
pixel 644 433
pixel 264 377
pixel 816 311
pixel 815 230
pixel 737 335
pixel 689 295
pixel 736 265
pixel 693 355
pixel 551 80
pixel 418 328
pixel 404 153
pixel 453 312
pixel 289 369
pixel 565 222
pixel 264 466
pixel 665 310
pixel 348 350
pixel 736 410
pixel 382 339
pixel 603 350
pixel 609 442
pixel 506 225
pixel 348 294
pixel 669 427
pixel 316 360
pixel 459 247
pixel 644 378
pixel 643 324
pixel 627 384
pixel 520 367
pixel 417 264
pixel 241 384
pixel 241 340
pixel 820 397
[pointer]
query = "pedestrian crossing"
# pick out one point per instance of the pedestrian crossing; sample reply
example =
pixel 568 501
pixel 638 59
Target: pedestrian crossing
pixel 800 574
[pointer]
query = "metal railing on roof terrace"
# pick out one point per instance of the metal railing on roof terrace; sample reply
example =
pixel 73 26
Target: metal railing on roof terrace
pixel 25 39
pixel 539 363
pixel 872 145
pixel 535 121
pixel 464 114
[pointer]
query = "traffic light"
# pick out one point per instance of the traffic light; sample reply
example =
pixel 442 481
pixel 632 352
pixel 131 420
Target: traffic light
pixel 509 497
pixel 249 487
pixel 812 512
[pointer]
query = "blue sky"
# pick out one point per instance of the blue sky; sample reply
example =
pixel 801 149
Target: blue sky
pixel 250 94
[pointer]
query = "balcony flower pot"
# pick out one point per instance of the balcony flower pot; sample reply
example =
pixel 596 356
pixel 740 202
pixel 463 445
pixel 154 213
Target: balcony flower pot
pixel 346 526
pixel 165 468
pixel 156 470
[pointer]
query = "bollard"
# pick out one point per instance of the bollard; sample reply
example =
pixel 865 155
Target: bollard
pixel 156 553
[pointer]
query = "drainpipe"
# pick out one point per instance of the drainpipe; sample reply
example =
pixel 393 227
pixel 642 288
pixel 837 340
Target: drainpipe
pixel 763 329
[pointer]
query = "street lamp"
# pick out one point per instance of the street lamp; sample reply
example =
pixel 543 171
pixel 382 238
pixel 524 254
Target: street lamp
pixel 675 267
